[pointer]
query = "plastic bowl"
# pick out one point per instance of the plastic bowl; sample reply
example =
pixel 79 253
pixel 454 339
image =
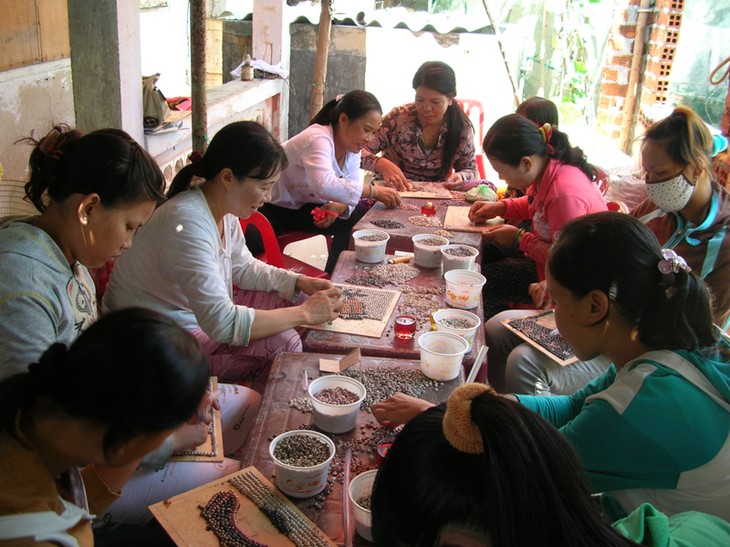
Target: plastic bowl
pixel 463 288
pixel 336 418
pixel 441 354
pixel 360 487
pixel 466 333
pixel 302 482
pixel 370 251
pixel 425 254
pixel 453 262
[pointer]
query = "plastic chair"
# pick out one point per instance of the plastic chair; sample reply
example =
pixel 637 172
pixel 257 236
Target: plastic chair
pixel 602 180
pixel 272 252
pixel 475 112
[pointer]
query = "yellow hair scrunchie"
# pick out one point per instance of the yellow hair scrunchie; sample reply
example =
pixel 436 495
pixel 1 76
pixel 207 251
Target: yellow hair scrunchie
pixel 546 132
pixel 458 427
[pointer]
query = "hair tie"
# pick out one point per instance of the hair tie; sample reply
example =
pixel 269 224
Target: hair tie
pixel 670 264
pixel 459 429
pixel 339 97
pixel 195 157
pixel 546 132
pixel 52 144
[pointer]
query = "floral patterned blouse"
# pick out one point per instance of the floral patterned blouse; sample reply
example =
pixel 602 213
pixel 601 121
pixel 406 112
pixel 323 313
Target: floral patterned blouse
pixel 399 138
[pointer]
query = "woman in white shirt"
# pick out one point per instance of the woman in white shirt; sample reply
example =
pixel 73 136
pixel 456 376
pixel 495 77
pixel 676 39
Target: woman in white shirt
pixel 190 262
pixel 323 171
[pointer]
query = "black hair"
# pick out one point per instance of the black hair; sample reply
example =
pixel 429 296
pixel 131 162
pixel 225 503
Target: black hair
pixel 539 111
pixel 246 148
pixel 134 372
pixel 685 138
pixel 440 77
pixel 353 104
pixel 617 254
pixel 527 488
pixel 107 162
pixel 513 137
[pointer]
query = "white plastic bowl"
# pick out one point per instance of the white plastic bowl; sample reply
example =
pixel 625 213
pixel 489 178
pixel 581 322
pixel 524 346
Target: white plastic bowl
pixel 302 482
pixel 441 354
pixel 370 251
pixel 452 262
pixel 466 333
pixel 428 256
pixel 336 418
pixel 360 487
pixel 463 288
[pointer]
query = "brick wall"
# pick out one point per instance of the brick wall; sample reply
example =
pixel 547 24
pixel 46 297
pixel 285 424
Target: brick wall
pixel 662 35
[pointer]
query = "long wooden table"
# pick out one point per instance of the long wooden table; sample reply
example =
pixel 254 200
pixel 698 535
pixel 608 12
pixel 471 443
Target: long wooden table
pixel 400 239
pixel 276 416
pixel 388 345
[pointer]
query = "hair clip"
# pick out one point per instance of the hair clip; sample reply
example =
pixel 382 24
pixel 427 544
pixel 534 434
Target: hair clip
pixel 339 97
pixel 612 292
pixel 546 132
pixel 52 144
pixel 671 263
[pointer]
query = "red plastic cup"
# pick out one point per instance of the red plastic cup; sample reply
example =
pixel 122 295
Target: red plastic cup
pixel 405 326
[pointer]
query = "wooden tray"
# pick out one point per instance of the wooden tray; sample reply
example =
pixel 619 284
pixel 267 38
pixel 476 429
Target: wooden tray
pixel 212 449
pixel 457 220
pixel 542 335
pixel 425 190
pixel 180 516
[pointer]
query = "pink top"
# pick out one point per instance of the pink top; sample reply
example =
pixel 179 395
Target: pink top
pixel 563 193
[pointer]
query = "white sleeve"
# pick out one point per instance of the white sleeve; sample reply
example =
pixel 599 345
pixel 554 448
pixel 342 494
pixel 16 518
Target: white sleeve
pixel 318 157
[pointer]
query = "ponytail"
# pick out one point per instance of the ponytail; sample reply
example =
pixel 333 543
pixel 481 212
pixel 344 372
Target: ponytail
pixel 354 105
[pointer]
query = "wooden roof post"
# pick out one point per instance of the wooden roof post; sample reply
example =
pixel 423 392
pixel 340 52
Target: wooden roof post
pixel 197 75
pixel 320 62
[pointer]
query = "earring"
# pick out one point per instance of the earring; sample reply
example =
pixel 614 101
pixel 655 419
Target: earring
pixel 84 220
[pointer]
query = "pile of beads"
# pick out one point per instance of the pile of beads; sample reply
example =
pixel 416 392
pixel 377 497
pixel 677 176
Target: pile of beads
pixel 302 404
pixel 548 339
pixel 444 233
pixel 364 502
pixel 455 323
pixel 422 220
pixel 220 514
pixel 373 237
pixel 459 251
pixel 387 224
pixel 408 207
pixel 283 517
pixel 336 396
pixel 301 451
pixel 382 383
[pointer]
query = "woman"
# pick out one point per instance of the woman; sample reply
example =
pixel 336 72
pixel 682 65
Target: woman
pixel 323 172
pixel 425 140
pixel 686 210
pixel 505 477
pixel 557 179
pixel 618 294
pixel 93 192
pixel 187 259
pixel 98 402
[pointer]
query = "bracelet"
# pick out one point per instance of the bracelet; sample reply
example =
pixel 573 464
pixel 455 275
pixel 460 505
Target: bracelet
pixel 372 190
pixel 518 237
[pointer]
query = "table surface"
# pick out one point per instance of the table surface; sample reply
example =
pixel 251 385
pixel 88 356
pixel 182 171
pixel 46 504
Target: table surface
pixel 275 416
pixel 388 345
pixel 400 239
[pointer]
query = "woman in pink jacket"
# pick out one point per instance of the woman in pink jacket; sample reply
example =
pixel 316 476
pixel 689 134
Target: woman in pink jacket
pixel 558 184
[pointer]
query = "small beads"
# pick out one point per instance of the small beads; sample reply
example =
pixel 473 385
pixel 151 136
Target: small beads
pixel 336 396
pixel 421 220
pixel 455 323
pixel 220 514
pixel 459 251
pixel 530 327
pixel 301 451
pixel 387 224
pixel 373 237
pixel 364 502
pixel 382 383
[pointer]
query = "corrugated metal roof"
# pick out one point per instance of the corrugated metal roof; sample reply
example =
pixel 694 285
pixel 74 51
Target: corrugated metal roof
pixel 354 13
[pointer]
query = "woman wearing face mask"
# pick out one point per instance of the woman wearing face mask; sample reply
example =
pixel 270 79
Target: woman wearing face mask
pixel 428 139
pixel 686 210
pixel 323 172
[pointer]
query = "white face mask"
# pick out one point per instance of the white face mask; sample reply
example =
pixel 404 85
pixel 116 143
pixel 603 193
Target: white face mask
pixel 670 195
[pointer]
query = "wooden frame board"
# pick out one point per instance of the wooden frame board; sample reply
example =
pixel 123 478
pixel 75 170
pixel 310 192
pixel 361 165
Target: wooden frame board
pixel 539 331
pixel 180 516
pixel 457 219
pixel 425 190
pixel 212 449
pixel 364 327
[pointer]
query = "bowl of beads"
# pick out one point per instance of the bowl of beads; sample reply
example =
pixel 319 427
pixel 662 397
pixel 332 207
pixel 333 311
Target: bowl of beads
pixel 463 288
pixel 336 401
pixel 461 322
pixel 458 257
pixel 361 487
pixel 302 462
pixel 441 354
pixel 370 245
pixel 427 250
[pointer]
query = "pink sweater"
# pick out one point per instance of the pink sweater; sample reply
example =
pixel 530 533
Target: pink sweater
pixel 563 193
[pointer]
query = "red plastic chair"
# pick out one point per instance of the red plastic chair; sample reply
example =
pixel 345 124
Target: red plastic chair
pixel 272 252
pixel 475 112
pixel 602 180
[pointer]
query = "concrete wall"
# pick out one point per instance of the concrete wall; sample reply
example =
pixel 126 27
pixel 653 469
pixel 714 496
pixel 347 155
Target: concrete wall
pixel 32 99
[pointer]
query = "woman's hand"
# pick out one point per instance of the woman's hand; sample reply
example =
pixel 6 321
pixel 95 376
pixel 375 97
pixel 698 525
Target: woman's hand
pixel 399 409
pixel 386 195
pixel 310 285
pixel 503 235
pixel 454 182
pixel 393 175
pixel 189 436
pixel 329 220
pixel 540 295
pixel 483 211
pixel 322 306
